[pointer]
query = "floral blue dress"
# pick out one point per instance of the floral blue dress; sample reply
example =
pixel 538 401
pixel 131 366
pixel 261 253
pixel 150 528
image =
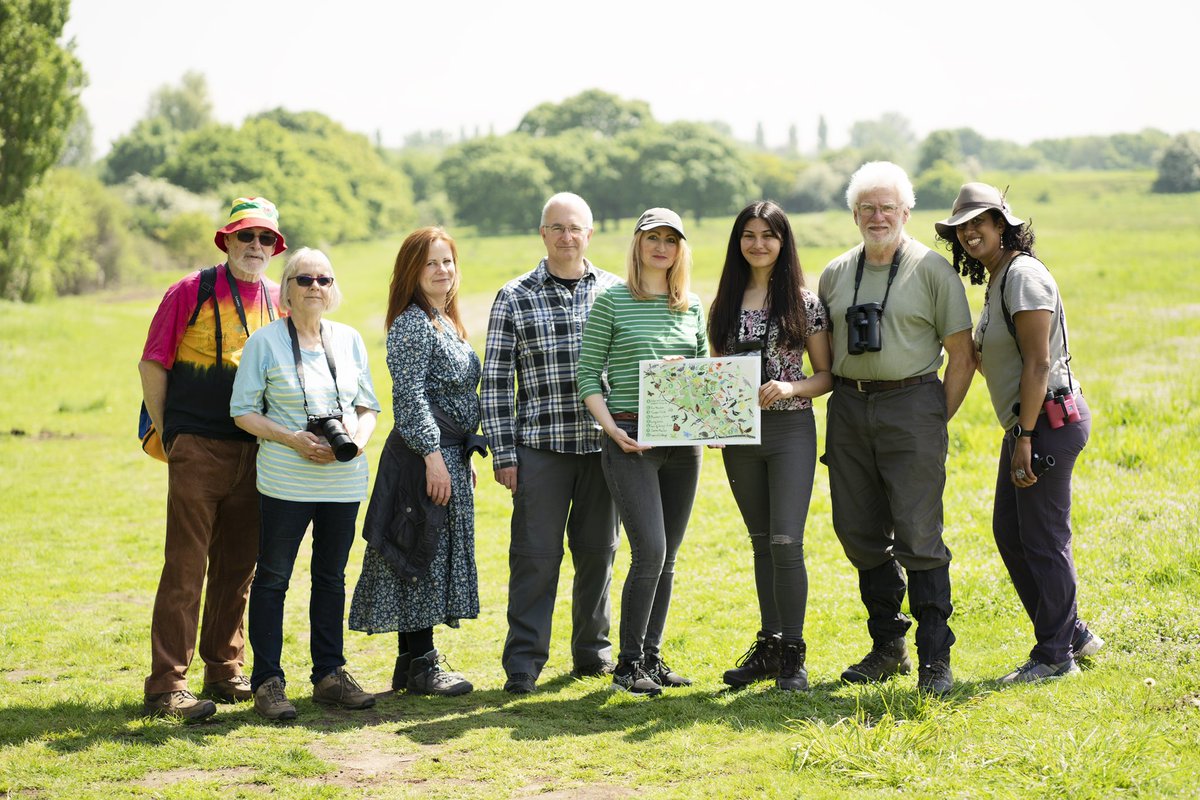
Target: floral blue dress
pixel 428 365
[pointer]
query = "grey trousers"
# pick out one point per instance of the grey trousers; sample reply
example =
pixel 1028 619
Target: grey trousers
pixel 772 484
pixel 654 491
pixel 557 491
pixel 886 453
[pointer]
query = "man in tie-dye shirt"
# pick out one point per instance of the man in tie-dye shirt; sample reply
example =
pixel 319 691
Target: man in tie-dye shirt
pixel 187 370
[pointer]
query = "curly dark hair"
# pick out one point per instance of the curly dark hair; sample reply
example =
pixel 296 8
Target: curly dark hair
pixel 787 279
pixel 1018 238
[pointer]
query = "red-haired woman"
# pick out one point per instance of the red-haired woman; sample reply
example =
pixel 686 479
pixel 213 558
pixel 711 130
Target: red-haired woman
pixel 419 568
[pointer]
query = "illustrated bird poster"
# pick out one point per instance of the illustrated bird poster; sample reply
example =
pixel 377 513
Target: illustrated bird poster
pixel 699 401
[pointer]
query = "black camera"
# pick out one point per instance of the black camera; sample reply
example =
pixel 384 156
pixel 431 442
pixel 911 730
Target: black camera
pixel 863 331
pixel 1040 464
pixel 344 448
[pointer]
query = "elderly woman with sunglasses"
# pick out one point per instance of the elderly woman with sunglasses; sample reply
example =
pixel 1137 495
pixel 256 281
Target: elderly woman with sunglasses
pixel 311 377
pixel 1022 351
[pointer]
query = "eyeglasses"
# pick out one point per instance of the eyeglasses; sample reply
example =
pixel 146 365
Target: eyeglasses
pixel 323 281
pixel 559 230
pixel 265 239
pixel 869 209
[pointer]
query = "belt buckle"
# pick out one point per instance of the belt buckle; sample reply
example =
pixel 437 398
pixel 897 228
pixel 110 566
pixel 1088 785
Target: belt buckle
pixel 858 384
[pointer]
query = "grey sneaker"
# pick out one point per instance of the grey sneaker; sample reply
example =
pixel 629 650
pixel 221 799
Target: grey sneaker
pixel 271 701
pixel 630 677
pixel 426 676
pixel 339 688
pixel 1086 645
pixel 658 671
pixel 1033 671
pixel 231 690
pixel 181 703
pixel 885 660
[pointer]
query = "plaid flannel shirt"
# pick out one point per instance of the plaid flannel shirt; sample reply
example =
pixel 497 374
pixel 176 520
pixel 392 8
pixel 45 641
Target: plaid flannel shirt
pixel 534 334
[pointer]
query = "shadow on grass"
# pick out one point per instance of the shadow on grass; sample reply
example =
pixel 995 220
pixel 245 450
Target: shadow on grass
pixel 71 727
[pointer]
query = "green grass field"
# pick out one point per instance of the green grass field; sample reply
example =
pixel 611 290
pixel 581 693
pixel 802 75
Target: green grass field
pixel 81 517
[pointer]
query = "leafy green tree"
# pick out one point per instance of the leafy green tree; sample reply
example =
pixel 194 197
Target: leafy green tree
pixel 817 188
pixel 68 235
pixel 77 149
pixel 937 187
pixel 774 175
pixel 1179 169
pixel 822 135
pixel 592 110
pixel 690 167
pixel 889 137
pixel 186 107
pixel 497 183
pixel 938 146
pixel 142 151
pixel 40 81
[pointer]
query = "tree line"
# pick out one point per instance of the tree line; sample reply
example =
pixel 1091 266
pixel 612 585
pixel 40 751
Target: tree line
pixel 69 223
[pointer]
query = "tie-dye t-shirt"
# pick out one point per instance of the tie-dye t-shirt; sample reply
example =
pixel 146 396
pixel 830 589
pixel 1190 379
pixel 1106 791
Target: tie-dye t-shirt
pixel 198 397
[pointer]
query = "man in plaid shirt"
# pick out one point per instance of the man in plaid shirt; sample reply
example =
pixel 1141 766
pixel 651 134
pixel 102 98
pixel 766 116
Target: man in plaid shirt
pixel 546 450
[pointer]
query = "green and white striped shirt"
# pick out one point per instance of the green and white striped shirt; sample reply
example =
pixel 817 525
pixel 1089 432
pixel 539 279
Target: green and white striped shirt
pixel 622 331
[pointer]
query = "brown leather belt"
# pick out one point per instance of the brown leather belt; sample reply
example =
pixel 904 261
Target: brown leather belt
pixel 625 416
pixel 885 386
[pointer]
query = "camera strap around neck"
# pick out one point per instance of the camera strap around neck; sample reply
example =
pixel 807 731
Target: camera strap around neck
pixel 858 275
pixel 300 365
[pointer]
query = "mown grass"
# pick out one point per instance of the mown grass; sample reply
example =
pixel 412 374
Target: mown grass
pixel 81 513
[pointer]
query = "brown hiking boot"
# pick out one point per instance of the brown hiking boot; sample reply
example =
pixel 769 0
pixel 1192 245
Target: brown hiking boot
pixel 181 703
pixel 270 701
pixel 885 660
pixel 232 690
pixel 339 688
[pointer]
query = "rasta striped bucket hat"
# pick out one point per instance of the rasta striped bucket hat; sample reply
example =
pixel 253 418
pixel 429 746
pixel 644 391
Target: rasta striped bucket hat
pixel 252 212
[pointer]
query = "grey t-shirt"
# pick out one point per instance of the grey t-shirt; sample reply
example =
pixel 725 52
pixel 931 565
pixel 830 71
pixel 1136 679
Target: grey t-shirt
pixel 1030 287
pixel 927 303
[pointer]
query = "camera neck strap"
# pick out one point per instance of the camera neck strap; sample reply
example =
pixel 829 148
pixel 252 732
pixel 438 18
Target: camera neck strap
pixel 300 365
pixel 858 275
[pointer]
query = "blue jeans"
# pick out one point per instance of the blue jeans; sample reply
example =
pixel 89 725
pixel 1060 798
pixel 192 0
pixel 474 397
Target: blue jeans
pixel 654 491
pixel 281 530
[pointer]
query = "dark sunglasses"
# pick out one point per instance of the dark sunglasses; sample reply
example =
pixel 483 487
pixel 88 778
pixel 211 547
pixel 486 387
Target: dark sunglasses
pixel 265 239
pixel 307 280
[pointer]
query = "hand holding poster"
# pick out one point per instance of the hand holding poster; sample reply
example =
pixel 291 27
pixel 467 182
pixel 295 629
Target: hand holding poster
pixel 699 401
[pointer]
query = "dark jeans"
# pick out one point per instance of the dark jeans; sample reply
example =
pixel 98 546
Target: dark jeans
pixel 1033 533
pixel 557 491
pixel 284 523
pixel 654 491
pixel 772 484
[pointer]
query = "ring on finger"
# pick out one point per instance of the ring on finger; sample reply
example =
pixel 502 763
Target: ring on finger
pixel 1019 474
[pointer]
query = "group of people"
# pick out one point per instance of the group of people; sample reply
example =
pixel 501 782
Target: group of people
pixel 265 415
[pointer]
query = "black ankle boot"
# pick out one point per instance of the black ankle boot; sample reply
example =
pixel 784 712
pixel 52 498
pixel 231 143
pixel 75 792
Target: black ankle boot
pixel 758 663
pixel 400 672
pixel 793 677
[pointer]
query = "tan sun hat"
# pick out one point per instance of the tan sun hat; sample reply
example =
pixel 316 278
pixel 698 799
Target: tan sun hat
pixel 973 199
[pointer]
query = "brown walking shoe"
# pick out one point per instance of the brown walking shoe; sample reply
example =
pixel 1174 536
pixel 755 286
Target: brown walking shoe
pixel 231 690
pixel 339 688
pixel 181 703
pixel 270 701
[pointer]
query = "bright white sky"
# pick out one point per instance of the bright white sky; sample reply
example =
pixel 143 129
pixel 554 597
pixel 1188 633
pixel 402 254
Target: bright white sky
pixel 1015 69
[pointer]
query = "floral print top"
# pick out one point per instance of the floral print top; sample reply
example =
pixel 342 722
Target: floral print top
pixel 784 364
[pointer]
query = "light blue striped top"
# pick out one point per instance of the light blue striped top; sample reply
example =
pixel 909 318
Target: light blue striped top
pixel 267 373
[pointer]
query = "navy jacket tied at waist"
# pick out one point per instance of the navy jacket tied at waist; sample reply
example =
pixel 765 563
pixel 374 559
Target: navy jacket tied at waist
pixel 402 523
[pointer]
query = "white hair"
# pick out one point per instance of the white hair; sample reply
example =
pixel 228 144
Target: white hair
pixel 568 199
pixel 306 256
pixel 880 175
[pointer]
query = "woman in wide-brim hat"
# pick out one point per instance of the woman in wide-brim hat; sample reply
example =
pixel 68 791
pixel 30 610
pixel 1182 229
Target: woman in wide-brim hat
pixel 1022 347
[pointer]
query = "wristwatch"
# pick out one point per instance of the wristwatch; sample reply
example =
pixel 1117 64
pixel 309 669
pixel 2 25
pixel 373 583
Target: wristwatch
pixel 1020 433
